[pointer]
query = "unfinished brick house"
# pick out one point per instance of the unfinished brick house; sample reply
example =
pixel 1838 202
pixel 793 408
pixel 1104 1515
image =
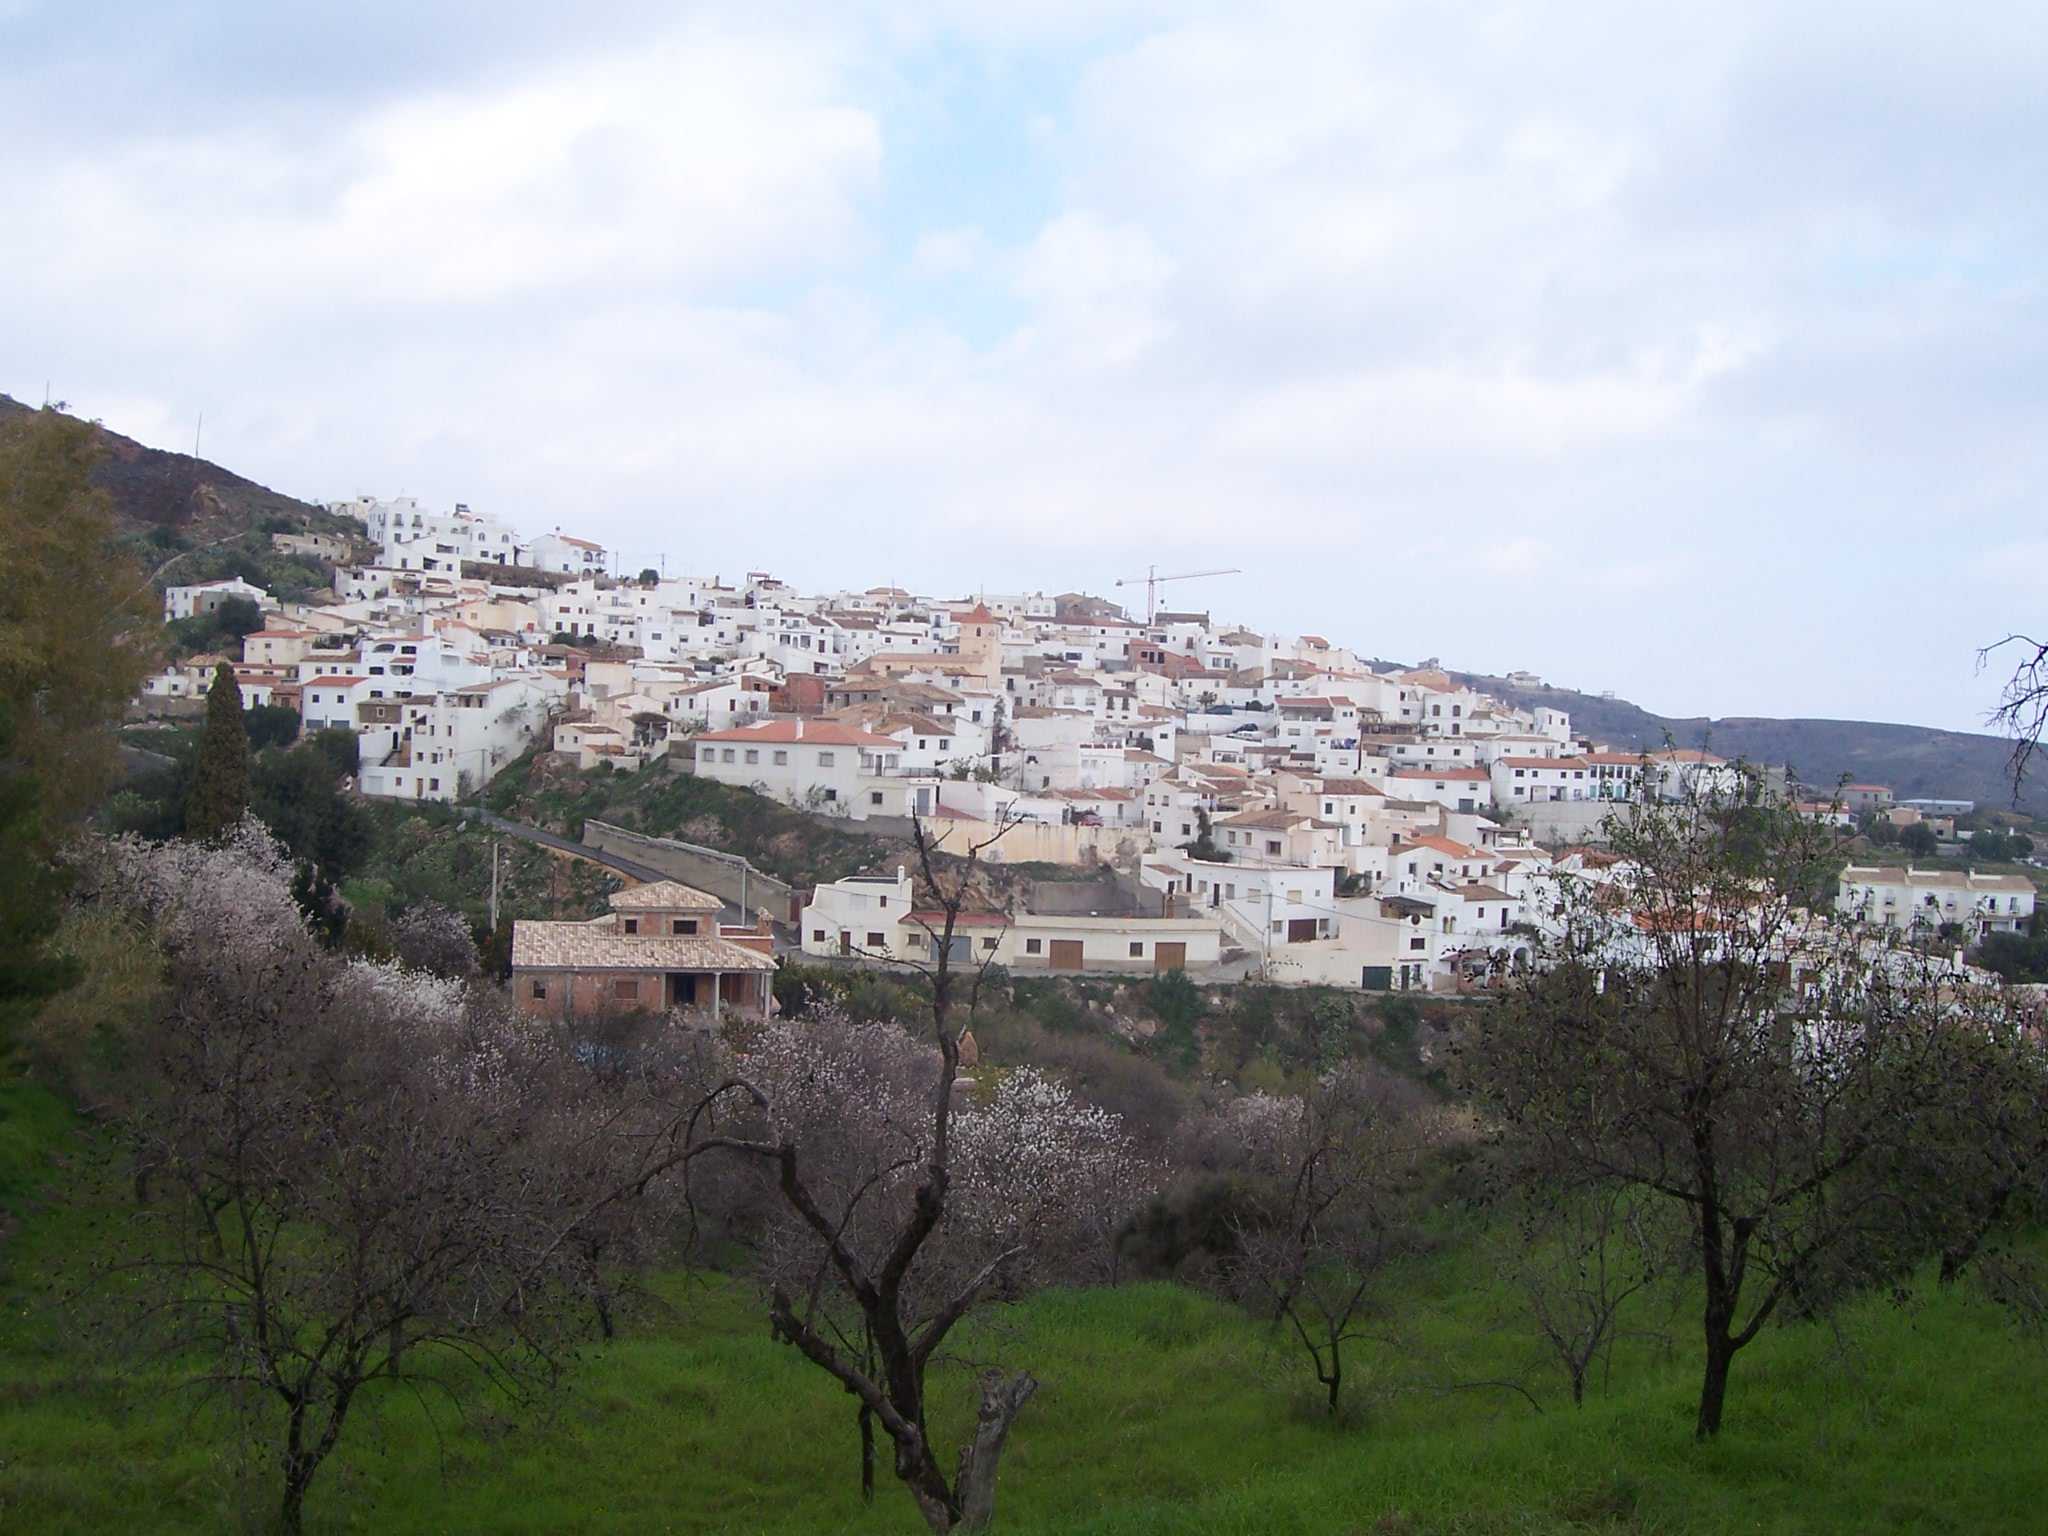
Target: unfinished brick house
pixel 660 949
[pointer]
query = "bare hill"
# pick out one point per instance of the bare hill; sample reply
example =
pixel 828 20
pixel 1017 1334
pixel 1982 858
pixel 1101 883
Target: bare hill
pixel 193 498
pixel 1914 760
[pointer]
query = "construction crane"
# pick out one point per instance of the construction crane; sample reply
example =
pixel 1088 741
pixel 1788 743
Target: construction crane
pixel 1153 581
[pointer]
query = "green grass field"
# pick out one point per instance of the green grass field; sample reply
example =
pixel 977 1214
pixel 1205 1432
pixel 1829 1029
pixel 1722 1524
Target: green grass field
pixel 1160 1412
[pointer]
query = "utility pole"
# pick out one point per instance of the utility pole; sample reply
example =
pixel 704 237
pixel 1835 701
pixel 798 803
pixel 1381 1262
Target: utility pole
pixel 197 428
pixel 494 885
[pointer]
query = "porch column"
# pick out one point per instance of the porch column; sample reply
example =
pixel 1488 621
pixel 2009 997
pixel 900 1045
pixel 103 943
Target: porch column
pixel 717 992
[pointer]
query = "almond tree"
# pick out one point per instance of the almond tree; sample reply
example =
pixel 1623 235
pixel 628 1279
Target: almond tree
pixel 890 1225
pixel 1694 1035
pixel 1329 1179
pixel 354 1183
pixel 1581 1254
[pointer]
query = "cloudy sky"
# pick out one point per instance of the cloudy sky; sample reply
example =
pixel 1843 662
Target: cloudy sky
pixel 1703 358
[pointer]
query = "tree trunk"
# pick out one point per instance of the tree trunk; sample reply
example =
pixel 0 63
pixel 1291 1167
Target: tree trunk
pixel 867 1454
pixel 1001 1402
pixel 298 1477
pixel 1714 1386
pixel 920 1473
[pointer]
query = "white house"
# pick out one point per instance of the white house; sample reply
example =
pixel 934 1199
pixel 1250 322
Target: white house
pixel 205 596
pixel 568 556
pixel 817 764
pixel 1929 899
pixel 452 743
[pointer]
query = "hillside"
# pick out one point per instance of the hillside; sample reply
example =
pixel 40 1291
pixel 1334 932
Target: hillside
pixel 1161 1411
pixel 1913 760
pixel 194 498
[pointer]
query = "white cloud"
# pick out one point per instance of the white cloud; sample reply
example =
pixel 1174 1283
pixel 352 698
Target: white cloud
pixel 1526 295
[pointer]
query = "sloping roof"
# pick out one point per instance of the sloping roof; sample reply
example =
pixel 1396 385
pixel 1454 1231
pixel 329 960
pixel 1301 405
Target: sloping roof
pixel 1352 787
pixel 665 895
pixel 1441 845
pixel 598 946
pixel 1279 820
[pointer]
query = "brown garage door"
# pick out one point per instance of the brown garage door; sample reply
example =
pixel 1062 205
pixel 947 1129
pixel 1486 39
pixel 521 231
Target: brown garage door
pixel 1066 954
pixel 1169 957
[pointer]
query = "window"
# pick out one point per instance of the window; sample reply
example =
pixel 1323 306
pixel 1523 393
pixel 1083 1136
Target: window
pixel 1272 845
pixel 817 935
pixel 877 940
pixel 1137 950
pixel 682 925
pixel 631 925
pixel 874 797
pixel 781 759
pixel 826 759
pixel 626 989
pixel 988 943
pixel 753 755
pixel 1418 943
pixel 540 989
pixel 1031 946
pixel 726 756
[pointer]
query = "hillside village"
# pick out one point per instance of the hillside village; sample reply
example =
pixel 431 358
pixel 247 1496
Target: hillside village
pixel 1245 803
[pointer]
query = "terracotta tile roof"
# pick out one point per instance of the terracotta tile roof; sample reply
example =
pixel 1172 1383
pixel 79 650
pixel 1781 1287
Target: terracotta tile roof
pixel 1482 893
pixel 1440 844
pixel 598 946
pixel 1264 820
pixel 1543 762
pixel 1467 774
pixel 665 895
pixel 1352 787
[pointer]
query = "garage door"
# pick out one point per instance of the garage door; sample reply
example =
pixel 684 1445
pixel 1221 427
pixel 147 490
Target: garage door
pixel 1066 954
pixel 1301 930
pixel 1169 957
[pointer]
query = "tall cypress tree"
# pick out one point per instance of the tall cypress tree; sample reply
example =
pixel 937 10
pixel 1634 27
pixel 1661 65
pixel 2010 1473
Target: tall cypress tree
pixel 220 779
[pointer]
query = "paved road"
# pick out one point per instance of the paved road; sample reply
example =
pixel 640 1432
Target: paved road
pixel 632 869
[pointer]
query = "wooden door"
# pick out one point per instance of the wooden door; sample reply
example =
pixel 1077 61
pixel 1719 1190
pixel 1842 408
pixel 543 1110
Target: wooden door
pixel 1066 954
pixel 1301 930
pixel 1169 957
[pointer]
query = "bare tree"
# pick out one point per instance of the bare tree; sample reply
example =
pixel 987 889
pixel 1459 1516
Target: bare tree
pixel 1581 1254
pixel 2022 711
pixel 1695 1034
pixel 1331 1179
pixel 868 1231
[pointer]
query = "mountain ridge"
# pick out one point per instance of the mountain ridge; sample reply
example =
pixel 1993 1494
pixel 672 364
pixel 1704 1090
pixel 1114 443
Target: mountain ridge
pixel 1913 760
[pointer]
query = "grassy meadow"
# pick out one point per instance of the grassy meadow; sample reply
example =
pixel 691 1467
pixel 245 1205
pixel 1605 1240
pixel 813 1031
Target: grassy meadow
pixel 1160 1411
